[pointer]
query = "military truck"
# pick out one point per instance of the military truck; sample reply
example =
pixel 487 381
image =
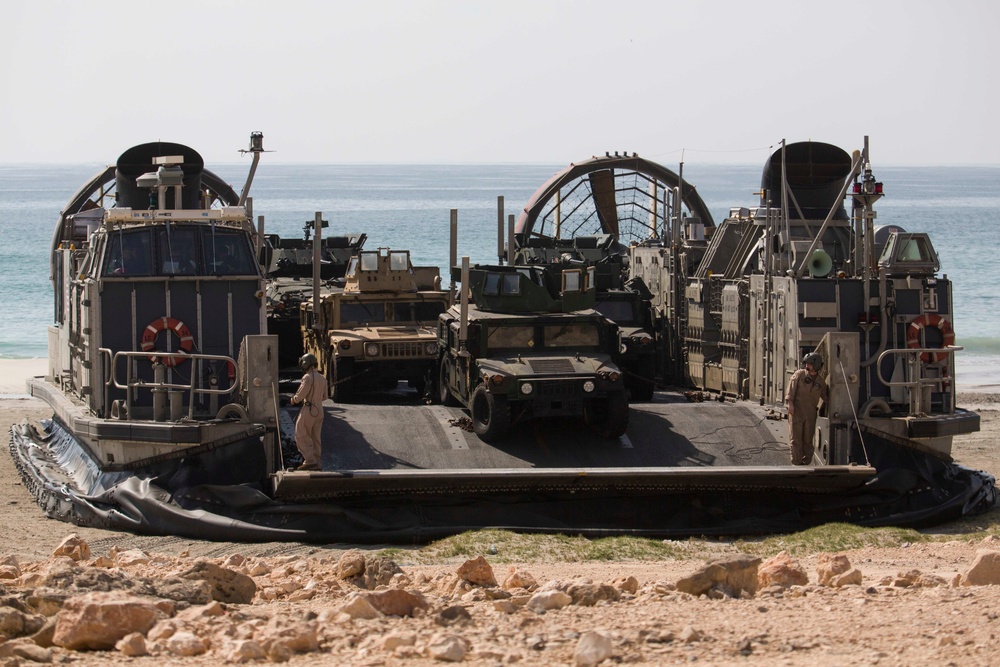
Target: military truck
pixel 288 272
pixel 379 329
pixel 527 348
pixel 637 354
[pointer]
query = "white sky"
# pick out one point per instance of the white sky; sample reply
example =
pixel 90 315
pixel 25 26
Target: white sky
pixel 499 81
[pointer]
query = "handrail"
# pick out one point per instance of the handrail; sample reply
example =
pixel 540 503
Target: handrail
pixel 917 384
pixel 195 358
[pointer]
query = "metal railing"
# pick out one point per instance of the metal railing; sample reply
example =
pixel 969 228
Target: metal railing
pixel 918 381
pixel 158 385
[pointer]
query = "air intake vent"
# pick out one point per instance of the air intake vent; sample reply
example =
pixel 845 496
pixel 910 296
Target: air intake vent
pixel 551 365
pixel 403 350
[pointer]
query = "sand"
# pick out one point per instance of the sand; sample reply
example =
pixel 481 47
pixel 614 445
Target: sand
pixel 15 372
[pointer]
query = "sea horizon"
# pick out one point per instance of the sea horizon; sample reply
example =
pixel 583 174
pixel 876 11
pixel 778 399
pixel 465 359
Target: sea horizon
pixel 407 206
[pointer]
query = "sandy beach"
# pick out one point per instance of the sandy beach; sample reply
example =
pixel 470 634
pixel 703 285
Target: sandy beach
pixel 15 372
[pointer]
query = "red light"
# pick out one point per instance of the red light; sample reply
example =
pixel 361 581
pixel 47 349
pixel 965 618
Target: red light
pixel 878 188
pixel 857 188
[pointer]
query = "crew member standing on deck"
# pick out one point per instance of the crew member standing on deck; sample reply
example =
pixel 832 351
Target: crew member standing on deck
pixel 805 389
pixel 309 425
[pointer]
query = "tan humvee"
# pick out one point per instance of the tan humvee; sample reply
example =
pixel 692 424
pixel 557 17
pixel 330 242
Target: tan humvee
pixel 380 329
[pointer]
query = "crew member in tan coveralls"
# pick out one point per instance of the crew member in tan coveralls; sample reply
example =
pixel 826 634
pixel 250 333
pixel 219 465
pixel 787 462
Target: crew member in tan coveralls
pixel 309 425
pixel 805 389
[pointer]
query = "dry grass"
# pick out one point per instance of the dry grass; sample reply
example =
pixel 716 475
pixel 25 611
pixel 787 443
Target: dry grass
pixel 505 546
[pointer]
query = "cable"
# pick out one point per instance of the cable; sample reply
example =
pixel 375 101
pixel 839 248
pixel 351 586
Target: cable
pixel 745 453
pixel 864 448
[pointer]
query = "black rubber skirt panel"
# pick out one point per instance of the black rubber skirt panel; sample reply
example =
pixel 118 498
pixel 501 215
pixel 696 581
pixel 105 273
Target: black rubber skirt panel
pixel 220 495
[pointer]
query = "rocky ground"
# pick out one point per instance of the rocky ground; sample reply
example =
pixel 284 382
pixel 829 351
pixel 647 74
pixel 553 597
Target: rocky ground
pixel 102 598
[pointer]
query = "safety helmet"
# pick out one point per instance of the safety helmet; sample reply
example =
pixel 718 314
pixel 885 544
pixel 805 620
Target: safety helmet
pixel 813 358
pixel 307 361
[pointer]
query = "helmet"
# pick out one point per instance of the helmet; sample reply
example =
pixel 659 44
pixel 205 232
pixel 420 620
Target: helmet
pixel 307 361
pixel 813 358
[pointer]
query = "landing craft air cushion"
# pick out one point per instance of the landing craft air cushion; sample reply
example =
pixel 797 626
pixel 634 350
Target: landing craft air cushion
pixel 166 415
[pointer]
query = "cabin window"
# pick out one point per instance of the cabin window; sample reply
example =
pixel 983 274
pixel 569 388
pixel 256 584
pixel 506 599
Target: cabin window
pixel 913 250
pixel 511 284
pixel 128 254
pixel 399 261
pixel 227 254
pixel 572 281
pixel 352 267
pixel 178 251
pixel 369 261
pixel 572 335
pixel 492 284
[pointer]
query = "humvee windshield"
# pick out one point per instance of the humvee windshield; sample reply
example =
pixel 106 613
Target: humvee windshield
pixel 510 338
pixel 417 311
pixel 554 336
pixel 572 335
pixel 361 313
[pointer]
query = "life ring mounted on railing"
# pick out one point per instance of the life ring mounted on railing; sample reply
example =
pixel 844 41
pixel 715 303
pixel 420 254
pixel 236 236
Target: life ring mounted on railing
pixel 930 320
pixel 179 329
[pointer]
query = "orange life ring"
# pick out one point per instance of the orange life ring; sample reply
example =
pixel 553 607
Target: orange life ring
pixel 941 323
pixel 180 330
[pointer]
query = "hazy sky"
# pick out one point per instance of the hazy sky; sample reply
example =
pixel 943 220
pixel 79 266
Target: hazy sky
pixel 507 81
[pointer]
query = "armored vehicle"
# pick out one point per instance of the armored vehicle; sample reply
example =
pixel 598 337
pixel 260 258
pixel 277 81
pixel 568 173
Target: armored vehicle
pixel 288 270
pixel 380 328
pixel 530 348
pixel 636 356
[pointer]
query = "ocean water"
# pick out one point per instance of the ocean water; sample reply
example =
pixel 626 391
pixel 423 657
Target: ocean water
pixel 407 206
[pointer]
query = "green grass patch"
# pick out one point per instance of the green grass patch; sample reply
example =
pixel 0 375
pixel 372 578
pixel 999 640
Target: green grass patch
pixel 831 537
pixel 505 546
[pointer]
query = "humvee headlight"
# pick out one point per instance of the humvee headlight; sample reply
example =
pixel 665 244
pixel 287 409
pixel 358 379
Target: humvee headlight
pixel 430 349
pixel 613 376
pixel 497 379
pixel 371 349
pixel 527 388
pixel 345 344
pixel 588 386
pixel 623 348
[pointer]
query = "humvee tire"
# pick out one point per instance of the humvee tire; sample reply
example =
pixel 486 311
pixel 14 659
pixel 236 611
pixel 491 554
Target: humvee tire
pixel 444 393
pixel 490 415
pixel 609 418
pixel 342 386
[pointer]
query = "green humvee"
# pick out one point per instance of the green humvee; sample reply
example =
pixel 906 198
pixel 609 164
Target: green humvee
pixel 519 355
pixel 637 355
